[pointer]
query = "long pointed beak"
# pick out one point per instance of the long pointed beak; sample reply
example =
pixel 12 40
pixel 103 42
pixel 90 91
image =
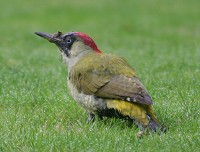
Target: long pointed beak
pixel 47 36
pixel 53 38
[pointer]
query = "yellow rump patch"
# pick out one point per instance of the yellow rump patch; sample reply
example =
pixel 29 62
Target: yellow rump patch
pixel 129 109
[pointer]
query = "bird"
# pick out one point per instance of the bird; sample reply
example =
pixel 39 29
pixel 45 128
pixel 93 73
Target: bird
pixel 105 85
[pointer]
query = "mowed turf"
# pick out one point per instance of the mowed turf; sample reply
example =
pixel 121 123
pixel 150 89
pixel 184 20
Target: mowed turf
pixel 160 39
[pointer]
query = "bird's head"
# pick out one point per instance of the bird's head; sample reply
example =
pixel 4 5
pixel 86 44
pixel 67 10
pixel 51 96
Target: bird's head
pixel 72 44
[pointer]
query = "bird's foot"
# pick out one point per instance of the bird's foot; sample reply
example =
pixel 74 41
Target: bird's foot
pixel 140 134
pixel 91 117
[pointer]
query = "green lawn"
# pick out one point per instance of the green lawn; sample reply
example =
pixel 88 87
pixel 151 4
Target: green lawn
pixel 160 39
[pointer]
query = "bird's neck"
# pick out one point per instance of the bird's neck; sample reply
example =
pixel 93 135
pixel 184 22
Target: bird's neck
pixel 73 60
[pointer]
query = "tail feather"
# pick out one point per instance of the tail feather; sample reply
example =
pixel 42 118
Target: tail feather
pixel 142 115
pixel 152 126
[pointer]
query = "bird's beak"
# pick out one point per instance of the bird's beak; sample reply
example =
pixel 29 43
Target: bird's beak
pixel 53 38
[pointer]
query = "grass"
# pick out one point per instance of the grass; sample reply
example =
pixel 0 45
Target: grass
pixel 160 39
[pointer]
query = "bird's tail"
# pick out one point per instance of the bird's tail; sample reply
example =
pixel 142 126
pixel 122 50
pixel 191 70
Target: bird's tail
pixel 151 122
pixel 142 115
pixel 152 126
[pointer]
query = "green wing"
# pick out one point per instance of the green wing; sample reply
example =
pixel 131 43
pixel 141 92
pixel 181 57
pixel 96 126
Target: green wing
pixel 108 76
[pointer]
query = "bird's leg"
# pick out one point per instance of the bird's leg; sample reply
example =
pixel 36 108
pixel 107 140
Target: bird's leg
pixel 142 131
pixel 100 116
pixel 91 117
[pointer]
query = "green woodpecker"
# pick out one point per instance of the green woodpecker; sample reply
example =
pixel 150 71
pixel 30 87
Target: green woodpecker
pixel 103 84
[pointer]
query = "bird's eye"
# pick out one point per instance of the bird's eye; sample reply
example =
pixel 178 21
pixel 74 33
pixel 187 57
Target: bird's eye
pixel 69 41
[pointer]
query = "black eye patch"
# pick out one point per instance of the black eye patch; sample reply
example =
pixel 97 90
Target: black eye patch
pixel 68 41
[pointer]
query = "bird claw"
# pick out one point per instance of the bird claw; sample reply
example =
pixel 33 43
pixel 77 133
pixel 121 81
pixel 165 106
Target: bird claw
pixel 140 134
pixel 91 117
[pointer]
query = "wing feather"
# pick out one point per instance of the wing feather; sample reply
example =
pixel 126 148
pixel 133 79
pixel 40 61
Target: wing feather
pixel 104 80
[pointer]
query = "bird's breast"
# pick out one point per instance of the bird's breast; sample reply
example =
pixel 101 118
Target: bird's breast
pixel 88 102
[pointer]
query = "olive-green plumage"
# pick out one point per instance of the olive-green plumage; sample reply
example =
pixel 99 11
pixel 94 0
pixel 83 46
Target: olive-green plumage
pixel 98 75
pixel 108 76
pixel 103 84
